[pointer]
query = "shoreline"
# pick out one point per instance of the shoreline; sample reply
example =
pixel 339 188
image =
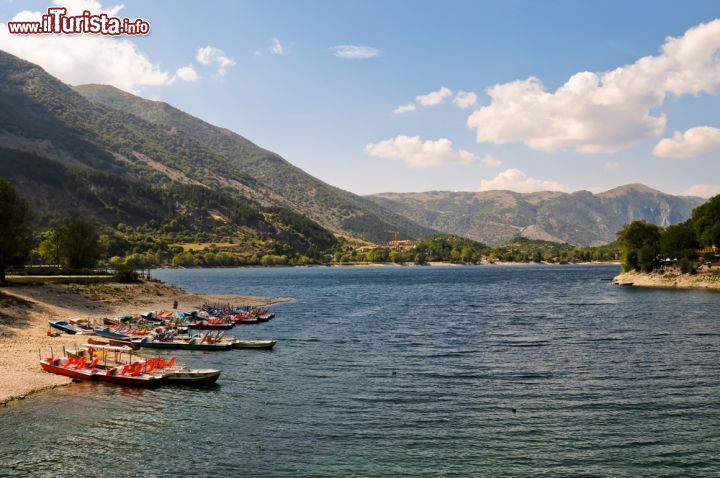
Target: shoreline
pixel 26 309
pixel 404 264
pixel 669 280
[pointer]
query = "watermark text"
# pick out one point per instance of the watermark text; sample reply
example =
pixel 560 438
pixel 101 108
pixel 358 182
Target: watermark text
pixel 57 21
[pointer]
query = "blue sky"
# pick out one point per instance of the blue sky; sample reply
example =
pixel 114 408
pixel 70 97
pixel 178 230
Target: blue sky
pixel 320 111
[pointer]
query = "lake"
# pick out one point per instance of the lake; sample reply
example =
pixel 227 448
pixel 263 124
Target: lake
pixel 547 371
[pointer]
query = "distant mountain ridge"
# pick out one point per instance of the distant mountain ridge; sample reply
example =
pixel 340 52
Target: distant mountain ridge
pixel 581 218
pixel 99 152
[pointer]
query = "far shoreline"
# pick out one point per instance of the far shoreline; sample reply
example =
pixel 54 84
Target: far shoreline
pixel 401 264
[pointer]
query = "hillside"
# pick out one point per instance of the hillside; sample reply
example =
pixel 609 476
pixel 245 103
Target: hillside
pixel 70 156
pixel 99 152
pixel 291 187
pixel 580 218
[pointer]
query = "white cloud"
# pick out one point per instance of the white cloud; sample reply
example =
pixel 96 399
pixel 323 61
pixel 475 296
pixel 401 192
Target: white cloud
pixel 277 47
pixel 209 55
pixel 187 73
pixel 693 142
pixel 415 152
pixel 434 98
pixel 490 160
pixel 355 52
pixel 404 108
pixel 516 180
pixel 611 166
pixel 77 59
pixel 602 112
pixel 465 99
pixel 703 190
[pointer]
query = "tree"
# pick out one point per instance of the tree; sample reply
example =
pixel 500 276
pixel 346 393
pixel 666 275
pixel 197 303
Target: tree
pixel 79 244
pixel 646 258
pixel 705 222
pixel 638 234
pixel 678 241
pixel 49 247
pixel 124 270
pixel 15 233
pixel 641 245
pixel 378 255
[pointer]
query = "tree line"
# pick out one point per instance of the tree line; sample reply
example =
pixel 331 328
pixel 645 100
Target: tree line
pixel 646 246
pixel 76 244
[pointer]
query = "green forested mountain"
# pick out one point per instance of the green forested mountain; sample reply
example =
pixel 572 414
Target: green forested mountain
pixel 290 186
pixel 98 152
pixel 70 156
pixel 580 218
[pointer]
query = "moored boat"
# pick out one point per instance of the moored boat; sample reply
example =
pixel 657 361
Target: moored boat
pixel 138 373
pixel 73 368
pixel 78 368
pixel 129 375
pixel 110 333
pixel 191 376
pixel 118 342
pixel 205 346
pixel 156 344
pixel 207 325
pixel 120 333
pixel 86 324
pixel 69 328
pixel 253 344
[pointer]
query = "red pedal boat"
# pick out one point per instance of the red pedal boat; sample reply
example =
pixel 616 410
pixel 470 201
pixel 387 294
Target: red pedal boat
pixel 133 375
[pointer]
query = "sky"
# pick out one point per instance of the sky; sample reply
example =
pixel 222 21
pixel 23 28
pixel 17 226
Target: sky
pixel 403 96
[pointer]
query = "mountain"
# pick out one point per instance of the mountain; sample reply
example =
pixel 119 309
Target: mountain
pixel 580 218
pixel 290 187
pixel 99 152
pixel 70 156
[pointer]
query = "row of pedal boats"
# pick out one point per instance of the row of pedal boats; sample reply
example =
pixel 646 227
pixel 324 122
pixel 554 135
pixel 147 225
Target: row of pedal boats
pixel 172 330
pixel 113 351
pixel 207 342
pixel 116 364
pixel 210 341
pixel 142 324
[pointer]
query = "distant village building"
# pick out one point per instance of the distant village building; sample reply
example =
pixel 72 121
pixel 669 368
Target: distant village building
pixel 397 245
pixel 401 245
pixel 707 250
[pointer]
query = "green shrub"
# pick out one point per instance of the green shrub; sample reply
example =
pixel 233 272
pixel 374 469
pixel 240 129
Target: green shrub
pixel 686 266
pixel 125 272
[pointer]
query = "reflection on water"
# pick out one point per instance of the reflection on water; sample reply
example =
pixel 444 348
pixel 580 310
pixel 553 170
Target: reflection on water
pixel 411 372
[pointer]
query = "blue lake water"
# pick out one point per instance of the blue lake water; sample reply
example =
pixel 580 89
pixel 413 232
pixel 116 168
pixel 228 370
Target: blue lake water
pixel 411 371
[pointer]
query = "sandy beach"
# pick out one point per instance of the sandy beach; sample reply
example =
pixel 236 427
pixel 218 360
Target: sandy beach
pixel 25 311
pixel 670 280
